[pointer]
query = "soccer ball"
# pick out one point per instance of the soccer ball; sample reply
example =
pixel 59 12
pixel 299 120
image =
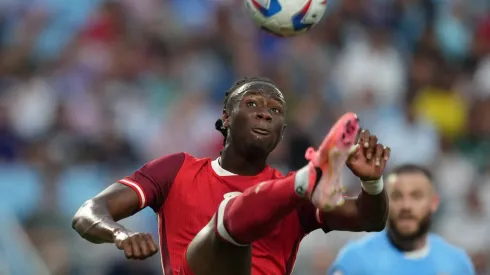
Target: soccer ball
pixel 286 17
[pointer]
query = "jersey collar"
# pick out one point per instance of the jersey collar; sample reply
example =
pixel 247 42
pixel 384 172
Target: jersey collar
pixel 415 254
pixel 220 171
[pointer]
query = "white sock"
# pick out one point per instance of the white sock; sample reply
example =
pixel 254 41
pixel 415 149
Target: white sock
pixel 301 180
pixel 220 225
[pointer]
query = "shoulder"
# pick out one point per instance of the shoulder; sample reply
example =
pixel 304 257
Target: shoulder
pixel 277 174
pixel 172 159
pixel 363 246
pixel 440 244
pixel 192 163
pixel 272 173
pixel 166 167
pixel 176 160
pixel 359 251
pixel 192 159
pixel 349 261
pixel 356 257
pixel 451 252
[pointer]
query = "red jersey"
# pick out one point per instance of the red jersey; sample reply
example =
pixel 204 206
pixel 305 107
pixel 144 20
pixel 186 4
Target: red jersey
pixel 185 192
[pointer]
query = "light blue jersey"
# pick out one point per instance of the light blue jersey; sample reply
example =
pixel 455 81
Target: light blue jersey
pixel 375 255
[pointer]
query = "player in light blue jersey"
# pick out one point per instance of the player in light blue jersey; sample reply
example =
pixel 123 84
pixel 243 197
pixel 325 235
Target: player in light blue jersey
pixel 405 247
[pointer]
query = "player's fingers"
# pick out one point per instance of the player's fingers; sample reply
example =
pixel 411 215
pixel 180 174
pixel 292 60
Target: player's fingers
pixel 119 244
pixel 386 153
pixel 364 138
pixel 353 150
pixel 135 246
pixel 378 155
pixel 128 248
pixel 143 246
pixel 373 141
pixel 151 244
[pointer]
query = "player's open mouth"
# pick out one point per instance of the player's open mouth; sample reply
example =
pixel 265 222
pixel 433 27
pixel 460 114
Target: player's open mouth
pixel 261 131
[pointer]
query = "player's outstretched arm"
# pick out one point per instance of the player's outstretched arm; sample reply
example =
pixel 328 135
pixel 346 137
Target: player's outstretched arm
pixel 369 211
pixel 96 221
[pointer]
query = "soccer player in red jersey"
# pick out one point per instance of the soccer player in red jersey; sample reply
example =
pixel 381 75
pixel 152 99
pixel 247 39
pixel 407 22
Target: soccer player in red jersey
pixel 236 215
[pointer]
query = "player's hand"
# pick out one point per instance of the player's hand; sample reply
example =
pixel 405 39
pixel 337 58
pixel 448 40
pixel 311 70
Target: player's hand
pixel 368 159
pixel 138 246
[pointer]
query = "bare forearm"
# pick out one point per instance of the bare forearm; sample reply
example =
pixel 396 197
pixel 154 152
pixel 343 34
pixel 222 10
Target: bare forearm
pixel 362 213
pixel 373 210
pixel 94 223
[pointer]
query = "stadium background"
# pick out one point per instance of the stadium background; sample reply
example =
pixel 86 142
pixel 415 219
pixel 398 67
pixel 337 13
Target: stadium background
pixel 90 90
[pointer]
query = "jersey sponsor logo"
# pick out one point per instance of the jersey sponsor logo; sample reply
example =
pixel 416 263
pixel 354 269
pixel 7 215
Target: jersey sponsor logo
pixel 338 272
pixel 231 195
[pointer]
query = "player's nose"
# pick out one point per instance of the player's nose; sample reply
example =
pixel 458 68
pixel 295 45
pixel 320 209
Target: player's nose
pixel 263 114
pixel 406 206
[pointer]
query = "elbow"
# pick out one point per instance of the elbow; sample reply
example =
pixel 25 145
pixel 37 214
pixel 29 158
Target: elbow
pixel 80 221
pixel 375 228
pixel 375 214
pixel 376 224
pixel 76 221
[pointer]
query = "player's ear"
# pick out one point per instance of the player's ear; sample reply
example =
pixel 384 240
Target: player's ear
pixel 226 119
pixel 435 203
pixel 283 131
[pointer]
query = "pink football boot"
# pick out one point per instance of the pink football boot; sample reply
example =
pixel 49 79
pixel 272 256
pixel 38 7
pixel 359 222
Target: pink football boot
pixel 325 189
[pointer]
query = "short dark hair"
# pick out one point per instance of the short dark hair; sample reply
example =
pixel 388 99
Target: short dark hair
pixel 219 123
pixel 411 168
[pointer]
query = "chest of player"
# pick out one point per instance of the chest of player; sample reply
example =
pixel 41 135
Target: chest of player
pixel 194 199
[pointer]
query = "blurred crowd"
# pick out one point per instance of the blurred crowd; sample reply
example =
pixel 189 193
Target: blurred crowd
pixel 92 89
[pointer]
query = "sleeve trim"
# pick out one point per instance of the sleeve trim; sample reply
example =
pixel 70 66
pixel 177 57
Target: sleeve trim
pixel 137 188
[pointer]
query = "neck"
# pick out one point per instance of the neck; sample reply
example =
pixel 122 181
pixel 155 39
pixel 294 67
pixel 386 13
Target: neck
pixel 237 163
pixel 408 245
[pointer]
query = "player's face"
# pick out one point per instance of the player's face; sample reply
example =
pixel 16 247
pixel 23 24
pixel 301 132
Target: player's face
pixel 257 120
pixel 412 203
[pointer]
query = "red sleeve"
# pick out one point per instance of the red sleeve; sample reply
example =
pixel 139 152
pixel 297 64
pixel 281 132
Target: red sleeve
pixel 309 218
pixel 152 182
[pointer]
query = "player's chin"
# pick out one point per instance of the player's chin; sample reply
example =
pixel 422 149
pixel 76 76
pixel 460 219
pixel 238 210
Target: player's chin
pixel 407 233
pixel 407 230
pixel 264 145
pixel 268 139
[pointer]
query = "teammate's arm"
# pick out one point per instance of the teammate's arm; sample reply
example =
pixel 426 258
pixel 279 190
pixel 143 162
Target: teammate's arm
pixel 96 220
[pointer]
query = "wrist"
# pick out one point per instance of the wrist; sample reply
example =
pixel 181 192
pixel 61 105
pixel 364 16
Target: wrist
pixel 119 234
pixel 373 187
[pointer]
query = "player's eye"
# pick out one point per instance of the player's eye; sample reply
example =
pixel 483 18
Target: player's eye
pixel 395 196
pixel 276 110
pixel 417 195
pixel 251 104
